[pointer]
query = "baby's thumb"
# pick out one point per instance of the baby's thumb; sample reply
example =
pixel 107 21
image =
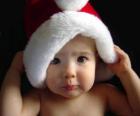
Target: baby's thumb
pixel 17 63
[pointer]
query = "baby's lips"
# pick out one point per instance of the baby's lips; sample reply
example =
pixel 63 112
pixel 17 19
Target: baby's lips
pixel 70 87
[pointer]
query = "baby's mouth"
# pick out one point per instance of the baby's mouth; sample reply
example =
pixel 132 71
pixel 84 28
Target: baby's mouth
pixel 70 87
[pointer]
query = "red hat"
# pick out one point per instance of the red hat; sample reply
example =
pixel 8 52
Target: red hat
pixel 50 24
pixel 38 11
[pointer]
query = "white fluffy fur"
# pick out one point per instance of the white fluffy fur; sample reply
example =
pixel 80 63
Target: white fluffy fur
pixel 53 34
pixel 74 5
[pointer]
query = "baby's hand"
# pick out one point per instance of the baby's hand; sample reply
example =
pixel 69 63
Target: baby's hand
pixel 123 64
pixel 17 64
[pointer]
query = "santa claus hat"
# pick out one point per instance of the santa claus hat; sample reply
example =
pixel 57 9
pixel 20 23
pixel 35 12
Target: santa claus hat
pixel 50 24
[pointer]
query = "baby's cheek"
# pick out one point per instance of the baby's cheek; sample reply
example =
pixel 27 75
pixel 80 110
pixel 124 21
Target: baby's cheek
pixel 49 81
pixel 86 84
pixel 53 82
pixel 87 79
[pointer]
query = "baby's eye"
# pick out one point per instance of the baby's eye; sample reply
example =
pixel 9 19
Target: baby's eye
pixel 82 59
pixel 55 61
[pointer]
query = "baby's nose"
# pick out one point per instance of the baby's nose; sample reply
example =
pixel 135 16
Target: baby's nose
pixel 70 71
pixel 67 76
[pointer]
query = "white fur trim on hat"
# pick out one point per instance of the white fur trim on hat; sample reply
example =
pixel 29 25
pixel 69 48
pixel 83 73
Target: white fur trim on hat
pixel 74 5
pixel 54 33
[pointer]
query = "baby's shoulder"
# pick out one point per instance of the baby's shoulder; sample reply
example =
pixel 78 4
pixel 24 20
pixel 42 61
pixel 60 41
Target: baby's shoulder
pixel 104 89
pixel 99 96
pixel 115 99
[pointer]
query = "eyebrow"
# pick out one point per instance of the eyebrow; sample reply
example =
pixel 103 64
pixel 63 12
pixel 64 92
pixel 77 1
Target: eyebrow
pixel 84 53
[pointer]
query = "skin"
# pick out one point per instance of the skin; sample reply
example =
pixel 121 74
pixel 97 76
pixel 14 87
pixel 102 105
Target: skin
pixel 60 97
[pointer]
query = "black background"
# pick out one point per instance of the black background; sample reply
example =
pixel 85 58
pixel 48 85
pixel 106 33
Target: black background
pixel 121 17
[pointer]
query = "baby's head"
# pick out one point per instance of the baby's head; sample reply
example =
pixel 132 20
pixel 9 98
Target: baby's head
pixel 49 37
pixel 72 70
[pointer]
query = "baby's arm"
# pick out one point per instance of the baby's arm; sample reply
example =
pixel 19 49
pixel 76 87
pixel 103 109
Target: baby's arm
pixel 12 102
pixel 129 80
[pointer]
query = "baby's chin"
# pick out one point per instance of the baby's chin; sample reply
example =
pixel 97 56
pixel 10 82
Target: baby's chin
pixel 72 95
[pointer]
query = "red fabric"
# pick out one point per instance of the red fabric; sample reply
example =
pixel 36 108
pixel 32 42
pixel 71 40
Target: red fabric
pixel 89 9
pixel 37 11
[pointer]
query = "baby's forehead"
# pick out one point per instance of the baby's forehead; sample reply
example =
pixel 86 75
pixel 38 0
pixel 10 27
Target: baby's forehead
pixel 79 45
pixel 80 37
pixel 81 40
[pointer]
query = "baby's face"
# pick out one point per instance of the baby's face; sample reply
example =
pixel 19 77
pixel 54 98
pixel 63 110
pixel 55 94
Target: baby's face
pixel 72 71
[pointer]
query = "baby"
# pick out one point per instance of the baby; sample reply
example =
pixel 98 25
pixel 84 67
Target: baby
pixel 70 86
pixel 62 61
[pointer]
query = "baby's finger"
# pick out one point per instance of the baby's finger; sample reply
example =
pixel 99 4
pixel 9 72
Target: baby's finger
pixel 119 51
pixel 123 56
pixel 117 47
pixel 17 63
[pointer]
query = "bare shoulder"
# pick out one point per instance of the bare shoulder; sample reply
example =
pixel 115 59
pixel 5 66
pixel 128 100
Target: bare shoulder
pixel 105 89
pixel 31 103
pixel 116 100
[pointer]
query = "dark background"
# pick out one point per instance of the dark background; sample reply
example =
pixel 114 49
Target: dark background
pixel 121 17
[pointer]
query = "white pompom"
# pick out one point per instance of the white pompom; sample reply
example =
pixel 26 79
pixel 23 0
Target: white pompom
pixel 73 5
